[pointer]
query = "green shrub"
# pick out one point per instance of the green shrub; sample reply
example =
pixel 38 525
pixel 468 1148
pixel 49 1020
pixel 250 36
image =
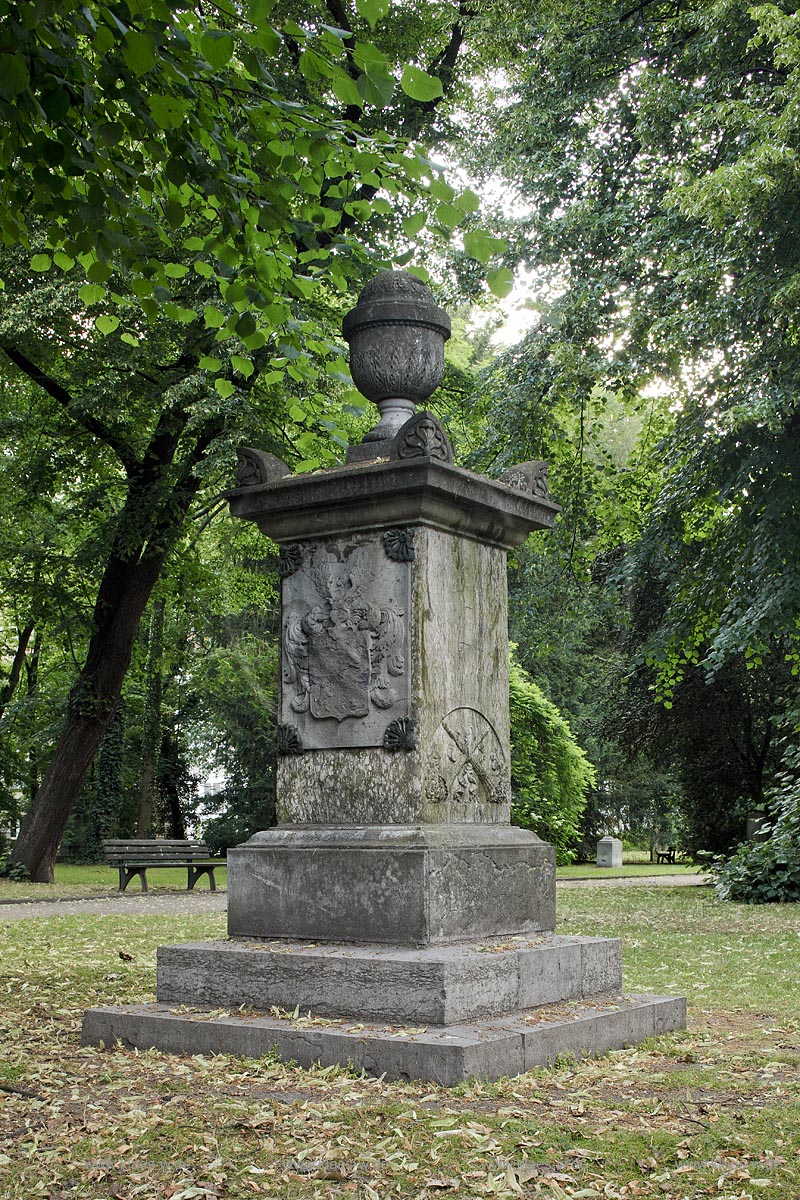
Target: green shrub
pixel 550 774
pixel 19 873
pixel 768 871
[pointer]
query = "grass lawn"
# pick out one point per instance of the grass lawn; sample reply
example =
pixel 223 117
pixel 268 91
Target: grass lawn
pixel 713 1112
pixel 590 871
pixel 80 883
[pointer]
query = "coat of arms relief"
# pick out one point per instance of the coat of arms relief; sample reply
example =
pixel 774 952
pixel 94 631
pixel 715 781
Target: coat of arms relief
pixel 345 672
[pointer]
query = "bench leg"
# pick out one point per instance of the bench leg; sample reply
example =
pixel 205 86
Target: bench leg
pixel 196 872
pixel 126 874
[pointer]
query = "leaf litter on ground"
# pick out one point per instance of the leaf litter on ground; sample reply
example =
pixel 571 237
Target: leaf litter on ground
pixel 713 1112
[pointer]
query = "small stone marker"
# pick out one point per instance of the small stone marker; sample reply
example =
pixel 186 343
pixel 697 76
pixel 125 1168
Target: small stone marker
pixel 609 852
pixel 394 904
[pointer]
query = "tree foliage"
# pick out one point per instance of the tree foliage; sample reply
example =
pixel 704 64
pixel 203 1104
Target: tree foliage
pixel 550 774
pixel 222 171
pixel 654 149
pixel 768 870
pixel 240 137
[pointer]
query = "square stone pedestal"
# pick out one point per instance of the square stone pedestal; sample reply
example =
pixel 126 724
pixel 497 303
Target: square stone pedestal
pixel 397 885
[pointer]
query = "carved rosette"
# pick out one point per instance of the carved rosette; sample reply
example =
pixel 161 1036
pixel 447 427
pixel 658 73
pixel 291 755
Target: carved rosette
pixel 436 789
pixel 291 560
pixel 528 477
pixel 289 740
pixel 399 544
pixel 400 735
pixel 423 436
pixel 466 766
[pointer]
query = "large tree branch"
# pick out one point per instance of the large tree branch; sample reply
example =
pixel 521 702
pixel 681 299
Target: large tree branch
pixel 62 396
pixel 8 689
pixel 444 63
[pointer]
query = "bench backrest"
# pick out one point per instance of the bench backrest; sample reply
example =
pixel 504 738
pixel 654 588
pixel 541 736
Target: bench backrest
pixel 142 850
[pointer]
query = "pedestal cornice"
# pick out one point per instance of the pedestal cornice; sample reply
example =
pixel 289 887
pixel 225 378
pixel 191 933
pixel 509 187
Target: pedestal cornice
pixel 383 494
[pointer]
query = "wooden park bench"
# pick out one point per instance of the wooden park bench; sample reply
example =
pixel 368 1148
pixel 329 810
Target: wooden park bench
pixel 665 854
pixel 135 856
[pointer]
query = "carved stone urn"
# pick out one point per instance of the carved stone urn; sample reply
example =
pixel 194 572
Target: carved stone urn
pixel 396 335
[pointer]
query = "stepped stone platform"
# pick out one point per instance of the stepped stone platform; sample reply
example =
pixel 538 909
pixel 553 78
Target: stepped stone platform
pixel 394 918
pixel 447 1013
pixel 491 1048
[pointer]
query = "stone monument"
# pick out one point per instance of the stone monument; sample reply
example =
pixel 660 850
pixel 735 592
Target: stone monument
pixel 609 852
pixel 394 918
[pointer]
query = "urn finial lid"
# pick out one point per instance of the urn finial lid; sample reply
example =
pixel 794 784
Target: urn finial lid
pixel 396 298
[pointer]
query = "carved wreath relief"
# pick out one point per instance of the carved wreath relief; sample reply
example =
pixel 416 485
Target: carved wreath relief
pixel 466 764
pixel 345 670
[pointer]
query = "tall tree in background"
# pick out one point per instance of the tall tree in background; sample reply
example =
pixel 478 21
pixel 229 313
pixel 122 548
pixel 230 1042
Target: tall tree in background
pixel 220 172
pixel 653 149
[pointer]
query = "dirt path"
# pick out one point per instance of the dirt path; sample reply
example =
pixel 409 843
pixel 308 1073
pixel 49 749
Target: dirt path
pixel 177 903
pixel 152 905
pixel 638 881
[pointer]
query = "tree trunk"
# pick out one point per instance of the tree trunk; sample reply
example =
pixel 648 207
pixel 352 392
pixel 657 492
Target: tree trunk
pixel 171 772
pixel 91 709
pixel 32 670
pixel 148 526
pixel 151 733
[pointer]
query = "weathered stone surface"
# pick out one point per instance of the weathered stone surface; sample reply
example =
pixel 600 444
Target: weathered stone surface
pixel 396 335
pixel 394 493
pixel 437 985
pixel 609 852
pixel 460 679
pixel 489 1049
pixel 327 787
pixel 459 771
pixel 601 965
pixel 410 886
pixel 591 1028
pixel 255 467
pixel 551 973
pixel 528 477
pixel 423 436
pixel 345 640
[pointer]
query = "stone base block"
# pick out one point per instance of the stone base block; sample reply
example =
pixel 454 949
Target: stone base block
pixel 439 985
pixel 400 885
pixel 488 1049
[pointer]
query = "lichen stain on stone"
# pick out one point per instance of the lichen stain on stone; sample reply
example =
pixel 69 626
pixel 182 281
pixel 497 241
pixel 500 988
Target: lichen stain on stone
pixel 360 786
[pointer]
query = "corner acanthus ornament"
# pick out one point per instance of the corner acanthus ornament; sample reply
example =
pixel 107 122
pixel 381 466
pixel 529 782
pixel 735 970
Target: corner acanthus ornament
pixel 423 436
pixel 289 740
pixel 528 477
pixel 291 560
pixel 399 544
pixel 400 735
pixel 257 467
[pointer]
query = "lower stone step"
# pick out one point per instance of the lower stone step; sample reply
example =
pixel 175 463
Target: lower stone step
pixel 487 1049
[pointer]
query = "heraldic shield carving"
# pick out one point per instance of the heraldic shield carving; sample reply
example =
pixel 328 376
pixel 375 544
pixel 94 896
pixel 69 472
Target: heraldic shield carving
pixel 345 652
